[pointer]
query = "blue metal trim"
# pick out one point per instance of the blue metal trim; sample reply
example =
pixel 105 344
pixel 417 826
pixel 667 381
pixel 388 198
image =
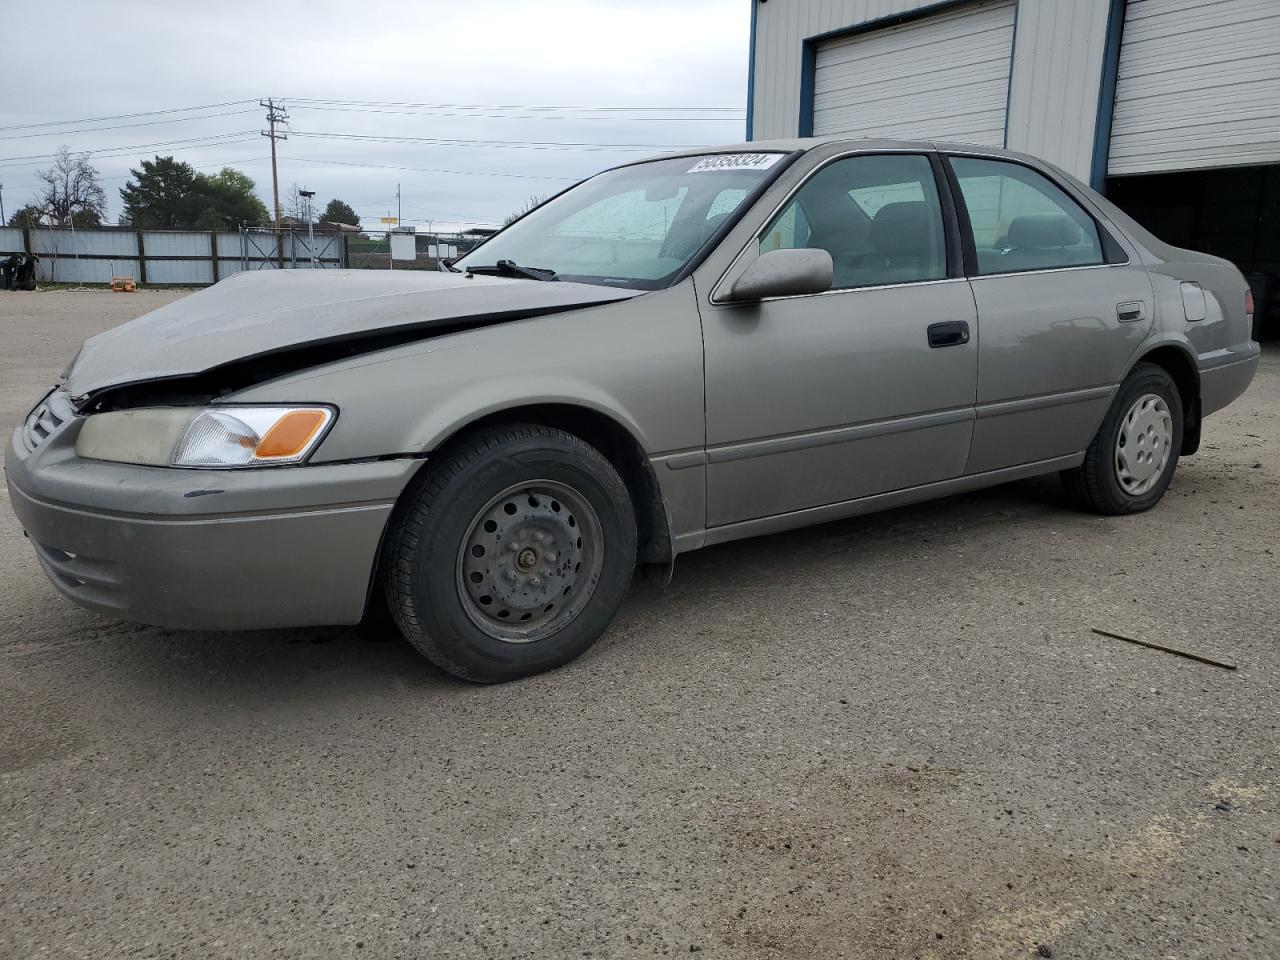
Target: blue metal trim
pixel 808 63
pixel 1013 57
pixel 1107 95
pixel 808 77
pixel 889 20
pixel 751 74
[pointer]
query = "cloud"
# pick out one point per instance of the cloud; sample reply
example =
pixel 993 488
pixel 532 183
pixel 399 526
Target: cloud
pixel 131 57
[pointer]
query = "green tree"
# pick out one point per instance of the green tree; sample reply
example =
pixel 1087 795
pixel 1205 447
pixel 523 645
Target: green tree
pixel 339 212
pixel 166 193
pixel 228 200
pixel 161 194
pixel 28 216
pixel 86 218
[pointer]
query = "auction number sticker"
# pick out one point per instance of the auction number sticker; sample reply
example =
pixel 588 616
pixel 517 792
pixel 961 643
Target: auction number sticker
pixel 736 161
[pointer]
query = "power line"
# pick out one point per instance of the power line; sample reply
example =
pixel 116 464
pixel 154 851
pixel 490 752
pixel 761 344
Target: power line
pixel 465 173
pixel 108 151
pixel 123 116
pixel 123 126
pixel 510 106
pixel 496 144
pixel 197 166
pixel 670 109
pixel 518 116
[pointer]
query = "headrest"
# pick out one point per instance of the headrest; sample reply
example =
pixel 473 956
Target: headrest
pixel 1043 230
pixel 902 229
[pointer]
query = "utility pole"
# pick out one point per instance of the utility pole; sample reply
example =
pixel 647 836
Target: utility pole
pixel 3 221
pixel 398 220
pixel 274 115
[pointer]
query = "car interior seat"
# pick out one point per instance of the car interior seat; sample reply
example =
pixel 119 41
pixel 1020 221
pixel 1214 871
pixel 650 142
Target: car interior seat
pixel 903 247
pixel 1036 240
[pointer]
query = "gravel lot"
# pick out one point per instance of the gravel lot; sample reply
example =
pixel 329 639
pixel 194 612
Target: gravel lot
pixel 888 737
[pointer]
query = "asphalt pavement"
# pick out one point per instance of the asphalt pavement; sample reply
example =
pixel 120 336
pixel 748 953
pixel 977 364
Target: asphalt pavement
pixel 890 737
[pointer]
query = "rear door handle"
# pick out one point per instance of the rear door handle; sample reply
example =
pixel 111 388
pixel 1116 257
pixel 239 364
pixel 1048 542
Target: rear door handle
pixel 952 333
pixel 1131 311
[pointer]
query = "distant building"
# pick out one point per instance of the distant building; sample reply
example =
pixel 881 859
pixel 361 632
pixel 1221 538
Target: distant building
pixel 1167 106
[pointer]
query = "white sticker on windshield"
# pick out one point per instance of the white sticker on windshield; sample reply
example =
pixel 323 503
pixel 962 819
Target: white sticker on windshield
pixel 736 161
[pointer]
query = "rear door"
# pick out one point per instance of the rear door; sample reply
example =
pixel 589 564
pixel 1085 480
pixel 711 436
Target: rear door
pixel 813 400
pixel 1063 305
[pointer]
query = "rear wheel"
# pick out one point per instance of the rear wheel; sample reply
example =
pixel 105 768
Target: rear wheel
pixel 1131 460
pixel 512 555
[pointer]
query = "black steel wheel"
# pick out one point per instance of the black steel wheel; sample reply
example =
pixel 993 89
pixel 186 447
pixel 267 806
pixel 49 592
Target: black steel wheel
pixel 512 554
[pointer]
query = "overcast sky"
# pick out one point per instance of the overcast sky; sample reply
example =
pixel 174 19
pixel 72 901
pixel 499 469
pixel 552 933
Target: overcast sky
pixel 95 59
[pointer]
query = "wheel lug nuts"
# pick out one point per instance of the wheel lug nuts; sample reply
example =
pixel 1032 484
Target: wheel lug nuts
pixel 510 575
pixel 535 581
pixel 550 557
pixel 513 546
pixel 539 536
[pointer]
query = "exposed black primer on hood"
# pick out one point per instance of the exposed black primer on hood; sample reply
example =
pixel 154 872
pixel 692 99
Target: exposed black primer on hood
pixel 236 375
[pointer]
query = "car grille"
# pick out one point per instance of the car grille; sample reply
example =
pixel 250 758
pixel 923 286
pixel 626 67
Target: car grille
pixel 43 422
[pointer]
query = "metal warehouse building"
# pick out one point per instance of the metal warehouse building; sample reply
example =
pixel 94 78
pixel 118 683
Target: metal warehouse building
pixel 1170 107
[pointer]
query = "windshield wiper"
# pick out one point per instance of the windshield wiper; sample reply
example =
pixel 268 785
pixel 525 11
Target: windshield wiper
pixel 509 268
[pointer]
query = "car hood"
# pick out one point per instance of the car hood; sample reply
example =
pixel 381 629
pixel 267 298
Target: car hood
pixel 251 315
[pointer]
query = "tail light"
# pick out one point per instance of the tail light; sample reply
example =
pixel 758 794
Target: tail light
pixel 1248 306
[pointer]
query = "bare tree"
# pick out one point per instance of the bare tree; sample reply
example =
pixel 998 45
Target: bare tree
pixel 294 205
pixel 72 193
pixel 534 201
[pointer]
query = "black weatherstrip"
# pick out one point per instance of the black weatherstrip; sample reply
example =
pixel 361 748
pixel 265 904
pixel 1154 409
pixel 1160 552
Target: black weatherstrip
pixel 1112 252
pixel 955 236
pixel 962 216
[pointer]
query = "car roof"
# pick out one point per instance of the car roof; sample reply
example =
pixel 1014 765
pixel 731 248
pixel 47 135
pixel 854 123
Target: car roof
pixel 810 143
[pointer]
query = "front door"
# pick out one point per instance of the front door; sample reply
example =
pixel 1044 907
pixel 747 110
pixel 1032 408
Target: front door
pixel 869 388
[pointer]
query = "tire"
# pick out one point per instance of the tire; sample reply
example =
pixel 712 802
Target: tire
pixel 512 554
pixel 1113 479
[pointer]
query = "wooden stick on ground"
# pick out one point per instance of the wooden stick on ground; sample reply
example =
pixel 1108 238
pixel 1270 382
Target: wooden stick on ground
pixel 1225 665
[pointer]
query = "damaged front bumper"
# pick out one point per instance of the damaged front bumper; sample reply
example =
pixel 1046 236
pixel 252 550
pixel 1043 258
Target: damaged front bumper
pixel 203 549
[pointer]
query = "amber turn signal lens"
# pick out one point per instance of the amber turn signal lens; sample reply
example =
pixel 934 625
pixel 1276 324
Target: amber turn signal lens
pixel 290 434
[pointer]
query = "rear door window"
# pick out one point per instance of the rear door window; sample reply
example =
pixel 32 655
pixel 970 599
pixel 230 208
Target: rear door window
pixel 1022 220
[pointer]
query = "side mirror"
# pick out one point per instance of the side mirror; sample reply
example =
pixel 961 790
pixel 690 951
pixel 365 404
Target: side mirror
pixel 784 273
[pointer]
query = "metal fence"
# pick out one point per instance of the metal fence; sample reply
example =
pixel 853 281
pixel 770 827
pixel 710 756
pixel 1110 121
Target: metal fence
pixel 179 257
pixel 372 251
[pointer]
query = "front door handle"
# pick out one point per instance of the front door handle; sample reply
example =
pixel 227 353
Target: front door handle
pixel 1131 311
pixel 952 333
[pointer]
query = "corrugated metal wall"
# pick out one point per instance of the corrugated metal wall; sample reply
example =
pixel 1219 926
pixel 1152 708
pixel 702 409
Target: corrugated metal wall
pixel 1057 68
pixel 1199 85
pixel 10 239
pixel 169 256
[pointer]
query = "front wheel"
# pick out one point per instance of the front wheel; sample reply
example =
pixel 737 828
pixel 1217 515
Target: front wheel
pixel 1130 462
pixel 512 555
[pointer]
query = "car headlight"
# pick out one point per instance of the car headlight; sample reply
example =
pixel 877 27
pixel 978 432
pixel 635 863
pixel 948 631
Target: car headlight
pixel 208 437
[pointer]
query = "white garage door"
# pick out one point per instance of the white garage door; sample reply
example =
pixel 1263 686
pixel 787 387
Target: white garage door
pixel 1199 85
pixel 944 77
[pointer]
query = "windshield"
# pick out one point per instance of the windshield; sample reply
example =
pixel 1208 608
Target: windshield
pixel 636 226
